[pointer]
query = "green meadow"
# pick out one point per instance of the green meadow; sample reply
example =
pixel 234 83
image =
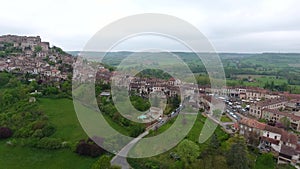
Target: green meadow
pixel 61 113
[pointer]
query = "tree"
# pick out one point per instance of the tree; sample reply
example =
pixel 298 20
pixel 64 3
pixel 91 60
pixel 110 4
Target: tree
pixel 214 142
pixel 188 151
pixel 5 132
pixel 237 156
pixel 104 163
pixel 89 148
pixel 37 48
pixel 136 130
pixel 285 122
pixel 266 161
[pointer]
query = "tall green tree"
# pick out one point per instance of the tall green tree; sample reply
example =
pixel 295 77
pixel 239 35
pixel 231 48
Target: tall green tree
pixel 188 151
pixel 237 155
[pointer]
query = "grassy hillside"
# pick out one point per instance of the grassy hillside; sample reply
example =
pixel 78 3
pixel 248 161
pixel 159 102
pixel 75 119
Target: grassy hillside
pixel 30 158
pixel 62 115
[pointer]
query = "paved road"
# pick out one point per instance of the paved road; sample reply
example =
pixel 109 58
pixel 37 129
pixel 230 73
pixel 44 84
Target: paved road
pixel 120 158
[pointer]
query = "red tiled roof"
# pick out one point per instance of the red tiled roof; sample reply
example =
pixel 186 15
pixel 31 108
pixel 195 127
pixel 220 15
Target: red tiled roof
pixel 270 102
pixel 289 138
pixel 286 150
pixel 270 140
pixel 274 129
pixel 275 111
pixel 253 123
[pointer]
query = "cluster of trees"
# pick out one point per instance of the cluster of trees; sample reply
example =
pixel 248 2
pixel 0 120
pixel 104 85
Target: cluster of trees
pixel 172 104
pixel 271 86
pixel 237 156
pixel 108 109
pixel 153 73
pixel 140 103
pixel 7 49
pixel 23 118
pixel 203 80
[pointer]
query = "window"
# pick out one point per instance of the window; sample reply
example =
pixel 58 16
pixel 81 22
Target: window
pixel 275 137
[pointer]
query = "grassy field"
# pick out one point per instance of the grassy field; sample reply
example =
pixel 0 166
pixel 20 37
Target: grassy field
pixel 260 81
pixel 224 118
pixel 61 113
pixel 29 158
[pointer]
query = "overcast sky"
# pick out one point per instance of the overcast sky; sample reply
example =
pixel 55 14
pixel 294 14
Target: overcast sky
pixel 230 25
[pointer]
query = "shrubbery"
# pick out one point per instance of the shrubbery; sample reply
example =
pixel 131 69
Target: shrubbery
pixel 89 148
pixel 49 143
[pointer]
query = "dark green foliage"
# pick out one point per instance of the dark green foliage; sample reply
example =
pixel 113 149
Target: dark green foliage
pixel 102 163
pixel 188 151
pixel 59 50
pixel 153 73
pixel 214 142
pixel 48 130
pixel 237 155
pixel 4 79
pixel 136 130
pixel 49 143
pixel 139 103
pixel 37 49
pixel 8 49
pixel 265 161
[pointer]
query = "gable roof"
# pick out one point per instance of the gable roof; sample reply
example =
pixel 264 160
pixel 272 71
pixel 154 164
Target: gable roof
pixel 253 123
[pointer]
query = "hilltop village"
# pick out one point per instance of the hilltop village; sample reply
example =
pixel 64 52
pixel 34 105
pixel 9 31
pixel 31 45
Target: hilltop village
pixel 29 55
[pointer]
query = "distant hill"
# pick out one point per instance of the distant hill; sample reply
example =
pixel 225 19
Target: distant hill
pixel 266 59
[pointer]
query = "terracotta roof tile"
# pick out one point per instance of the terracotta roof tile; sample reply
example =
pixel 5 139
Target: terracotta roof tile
pixel 253 123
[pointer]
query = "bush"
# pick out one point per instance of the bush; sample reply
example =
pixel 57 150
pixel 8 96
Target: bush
pixel 38 133
pixel 136 130
pixel 38 125
pixel 24 132
pixel 48 130
pixel 88 148
pixel 49 143
pixel 5 132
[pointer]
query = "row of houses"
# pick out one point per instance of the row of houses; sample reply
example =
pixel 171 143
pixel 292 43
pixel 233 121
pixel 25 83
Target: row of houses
pixel 284 145
pixel 246 93
pixel 273 110
pixel 145 86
